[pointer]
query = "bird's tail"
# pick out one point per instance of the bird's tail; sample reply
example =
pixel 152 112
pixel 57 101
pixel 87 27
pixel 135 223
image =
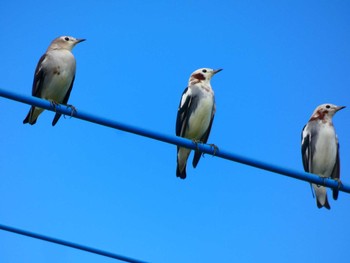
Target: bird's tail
pixel 33 115
pixel 321 196
pixel 182 156
pixel 179 173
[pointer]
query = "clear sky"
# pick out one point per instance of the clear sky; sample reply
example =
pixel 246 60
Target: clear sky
pixel 118 192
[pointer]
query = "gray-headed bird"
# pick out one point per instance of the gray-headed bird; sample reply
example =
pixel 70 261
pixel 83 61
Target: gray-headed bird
pixel 320 150
pixel 195 115
pixel 54 76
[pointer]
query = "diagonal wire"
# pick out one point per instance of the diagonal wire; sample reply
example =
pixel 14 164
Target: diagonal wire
pixel 69 244
pixel 205 148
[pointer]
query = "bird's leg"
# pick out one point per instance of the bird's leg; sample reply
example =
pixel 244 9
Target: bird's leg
pixel 195 141
pixel 339 182
pixel 215 148
pixel 73 110
pixel 54 104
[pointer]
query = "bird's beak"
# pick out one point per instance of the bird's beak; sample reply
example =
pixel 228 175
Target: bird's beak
pixel 340 108
pixel 216 71
pixel 80 40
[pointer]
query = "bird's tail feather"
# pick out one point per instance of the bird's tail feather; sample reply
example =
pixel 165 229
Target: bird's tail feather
pixel 182 156
pixel 181 174
pixel 321 196
pixel 33 115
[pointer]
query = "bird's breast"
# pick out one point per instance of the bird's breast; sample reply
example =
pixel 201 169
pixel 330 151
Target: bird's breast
pixel 326 148
pixel 200 118
pixel 59 74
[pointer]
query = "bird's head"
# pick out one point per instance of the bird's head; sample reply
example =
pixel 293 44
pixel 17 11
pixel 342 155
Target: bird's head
pixel 202 75
pixel 325 112
pixel 65 42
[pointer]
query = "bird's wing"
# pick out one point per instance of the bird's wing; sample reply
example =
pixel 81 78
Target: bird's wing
pixel 65 100
pixel 336 172
pixel 184 112
pixel 205 136
pixel 306 151
pixel 39 77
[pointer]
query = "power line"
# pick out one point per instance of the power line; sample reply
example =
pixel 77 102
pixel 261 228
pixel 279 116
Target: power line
pixel 205 148
pixel 69 244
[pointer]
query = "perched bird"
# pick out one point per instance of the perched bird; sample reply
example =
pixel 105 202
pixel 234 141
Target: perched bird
pixel 54 76
pixel 195 115
pixel 320 150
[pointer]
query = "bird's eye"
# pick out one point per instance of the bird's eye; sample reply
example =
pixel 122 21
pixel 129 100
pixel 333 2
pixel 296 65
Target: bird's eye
pixel 66 38
pixel 204 71
pixel 328 106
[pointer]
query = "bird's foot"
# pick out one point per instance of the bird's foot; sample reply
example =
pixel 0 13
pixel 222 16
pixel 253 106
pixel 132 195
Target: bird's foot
pixel 340 184
pixel 73 110
pixel 216 149
pixel 195 141
pixel 54 104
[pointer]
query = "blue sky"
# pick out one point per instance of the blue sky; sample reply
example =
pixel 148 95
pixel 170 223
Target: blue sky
pixel 118 192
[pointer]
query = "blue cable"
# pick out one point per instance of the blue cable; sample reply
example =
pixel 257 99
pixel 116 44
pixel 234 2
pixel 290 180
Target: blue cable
pixel 69 244
pixel 205 148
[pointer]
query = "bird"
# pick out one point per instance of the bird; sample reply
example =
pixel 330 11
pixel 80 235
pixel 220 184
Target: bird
pixel 195 115
pixel 320 150
pixel 54 76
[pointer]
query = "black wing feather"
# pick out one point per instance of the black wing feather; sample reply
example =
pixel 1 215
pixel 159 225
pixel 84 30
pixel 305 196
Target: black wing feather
pixel 38 81
pixel 39 77
pixel 306 151
pixel 183 114
pixel 336 174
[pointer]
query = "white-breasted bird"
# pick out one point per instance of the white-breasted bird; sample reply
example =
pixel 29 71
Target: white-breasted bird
pixel 54 76
pixel 195 115
pixel 320 150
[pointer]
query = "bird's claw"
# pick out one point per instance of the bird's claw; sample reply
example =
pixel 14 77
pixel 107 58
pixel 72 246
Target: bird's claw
pixel 54 104
pixel 340 184
pixel 216 149
pixel 196 143
pixel 73 110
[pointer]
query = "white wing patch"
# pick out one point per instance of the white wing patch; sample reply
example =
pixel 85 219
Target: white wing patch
pixel 184 97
